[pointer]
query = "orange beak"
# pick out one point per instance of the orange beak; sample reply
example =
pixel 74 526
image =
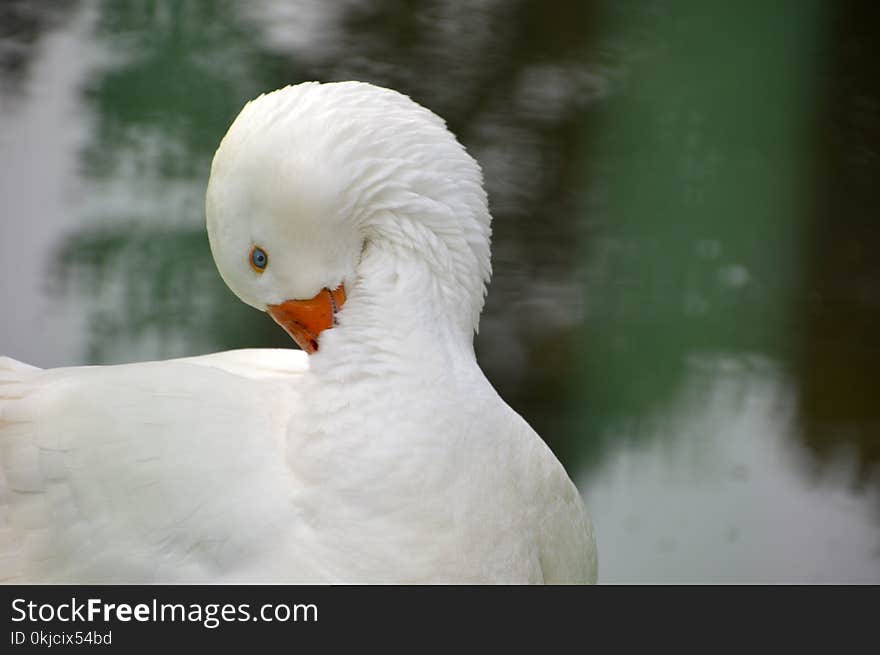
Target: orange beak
pixel 304 320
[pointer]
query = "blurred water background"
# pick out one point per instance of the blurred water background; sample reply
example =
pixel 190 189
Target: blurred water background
pixel 686 296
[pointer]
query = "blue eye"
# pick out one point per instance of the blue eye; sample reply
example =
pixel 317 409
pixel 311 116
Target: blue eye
pixel 259 259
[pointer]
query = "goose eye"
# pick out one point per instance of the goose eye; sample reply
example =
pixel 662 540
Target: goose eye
pixel 259 259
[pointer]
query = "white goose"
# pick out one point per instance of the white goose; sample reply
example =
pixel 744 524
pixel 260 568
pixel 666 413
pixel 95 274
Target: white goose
pixel 384 456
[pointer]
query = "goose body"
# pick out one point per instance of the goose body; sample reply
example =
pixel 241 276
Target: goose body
pixel 354 218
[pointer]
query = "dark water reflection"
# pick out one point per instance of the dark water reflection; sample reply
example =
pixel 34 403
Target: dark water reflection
pixel 22 24
pixel 686 295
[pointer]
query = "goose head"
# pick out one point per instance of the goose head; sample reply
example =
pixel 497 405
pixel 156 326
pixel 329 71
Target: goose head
pixel 309 176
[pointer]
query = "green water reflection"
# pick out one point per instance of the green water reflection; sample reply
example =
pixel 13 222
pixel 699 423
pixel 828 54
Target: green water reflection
pixel 686 295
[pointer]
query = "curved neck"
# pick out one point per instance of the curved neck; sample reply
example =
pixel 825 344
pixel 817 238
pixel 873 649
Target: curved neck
pixel 398 316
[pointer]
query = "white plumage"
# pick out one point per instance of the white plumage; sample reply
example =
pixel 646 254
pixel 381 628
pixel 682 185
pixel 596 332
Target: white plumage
pixel 385 457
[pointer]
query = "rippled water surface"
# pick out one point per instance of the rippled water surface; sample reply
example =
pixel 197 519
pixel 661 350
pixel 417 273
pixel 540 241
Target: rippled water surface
pixel 686 297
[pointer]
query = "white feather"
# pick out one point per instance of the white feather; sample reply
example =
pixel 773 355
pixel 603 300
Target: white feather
pixel 385 457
